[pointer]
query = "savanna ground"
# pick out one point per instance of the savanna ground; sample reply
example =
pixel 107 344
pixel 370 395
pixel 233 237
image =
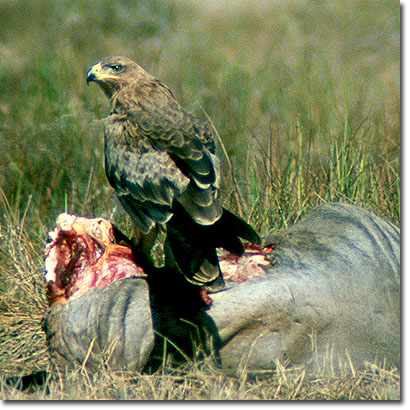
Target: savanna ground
pixel 305 98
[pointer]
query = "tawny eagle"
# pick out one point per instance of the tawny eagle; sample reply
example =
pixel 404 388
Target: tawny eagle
pixel 161 162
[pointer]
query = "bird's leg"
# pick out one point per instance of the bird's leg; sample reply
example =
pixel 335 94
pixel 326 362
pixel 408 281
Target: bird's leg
pixel 170 261
pixel 146 241
pixel 144 244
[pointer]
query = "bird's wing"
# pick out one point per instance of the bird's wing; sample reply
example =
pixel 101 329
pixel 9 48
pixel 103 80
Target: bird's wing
pixel 169 128
pixel 145 179
pixel 189 144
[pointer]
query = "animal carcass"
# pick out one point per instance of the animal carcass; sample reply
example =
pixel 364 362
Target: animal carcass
pixel 324 293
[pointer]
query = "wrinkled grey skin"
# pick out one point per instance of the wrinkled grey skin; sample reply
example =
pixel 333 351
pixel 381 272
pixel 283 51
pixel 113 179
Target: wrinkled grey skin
pixel 332 295
pixel 330 300
pixel 114 323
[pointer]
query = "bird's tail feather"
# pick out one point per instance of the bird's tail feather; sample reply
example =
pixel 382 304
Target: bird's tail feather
pixel 193 246
pixel 224 233
pixel 231 228
pixel 199 265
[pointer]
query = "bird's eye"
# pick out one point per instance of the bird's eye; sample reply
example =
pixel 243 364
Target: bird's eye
pixel 117 67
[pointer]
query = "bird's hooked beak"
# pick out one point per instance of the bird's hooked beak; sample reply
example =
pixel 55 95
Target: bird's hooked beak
pixel 94 73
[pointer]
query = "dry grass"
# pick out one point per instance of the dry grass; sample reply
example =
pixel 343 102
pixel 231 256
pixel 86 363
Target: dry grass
pixel 198 382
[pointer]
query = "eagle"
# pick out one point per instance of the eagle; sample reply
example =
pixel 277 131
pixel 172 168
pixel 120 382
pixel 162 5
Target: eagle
pixel 162 164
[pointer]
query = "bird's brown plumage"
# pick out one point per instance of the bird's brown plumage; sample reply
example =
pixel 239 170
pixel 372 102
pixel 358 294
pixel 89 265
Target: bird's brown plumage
pixel 161 161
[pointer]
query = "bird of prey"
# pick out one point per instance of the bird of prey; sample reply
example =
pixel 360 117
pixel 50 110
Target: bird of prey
pixel 161 162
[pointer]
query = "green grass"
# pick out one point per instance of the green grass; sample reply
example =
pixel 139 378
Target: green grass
pixel 305 97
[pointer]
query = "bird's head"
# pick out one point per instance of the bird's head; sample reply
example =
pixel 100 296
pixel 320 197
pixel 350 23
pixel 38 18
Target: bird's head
pixel 114 73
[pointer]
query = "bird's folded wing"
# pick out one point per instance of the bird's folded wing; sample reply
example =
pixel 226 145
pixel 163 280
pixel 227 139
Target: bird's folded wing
pixel 146 182
pixel 181 146
pixel 188 141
